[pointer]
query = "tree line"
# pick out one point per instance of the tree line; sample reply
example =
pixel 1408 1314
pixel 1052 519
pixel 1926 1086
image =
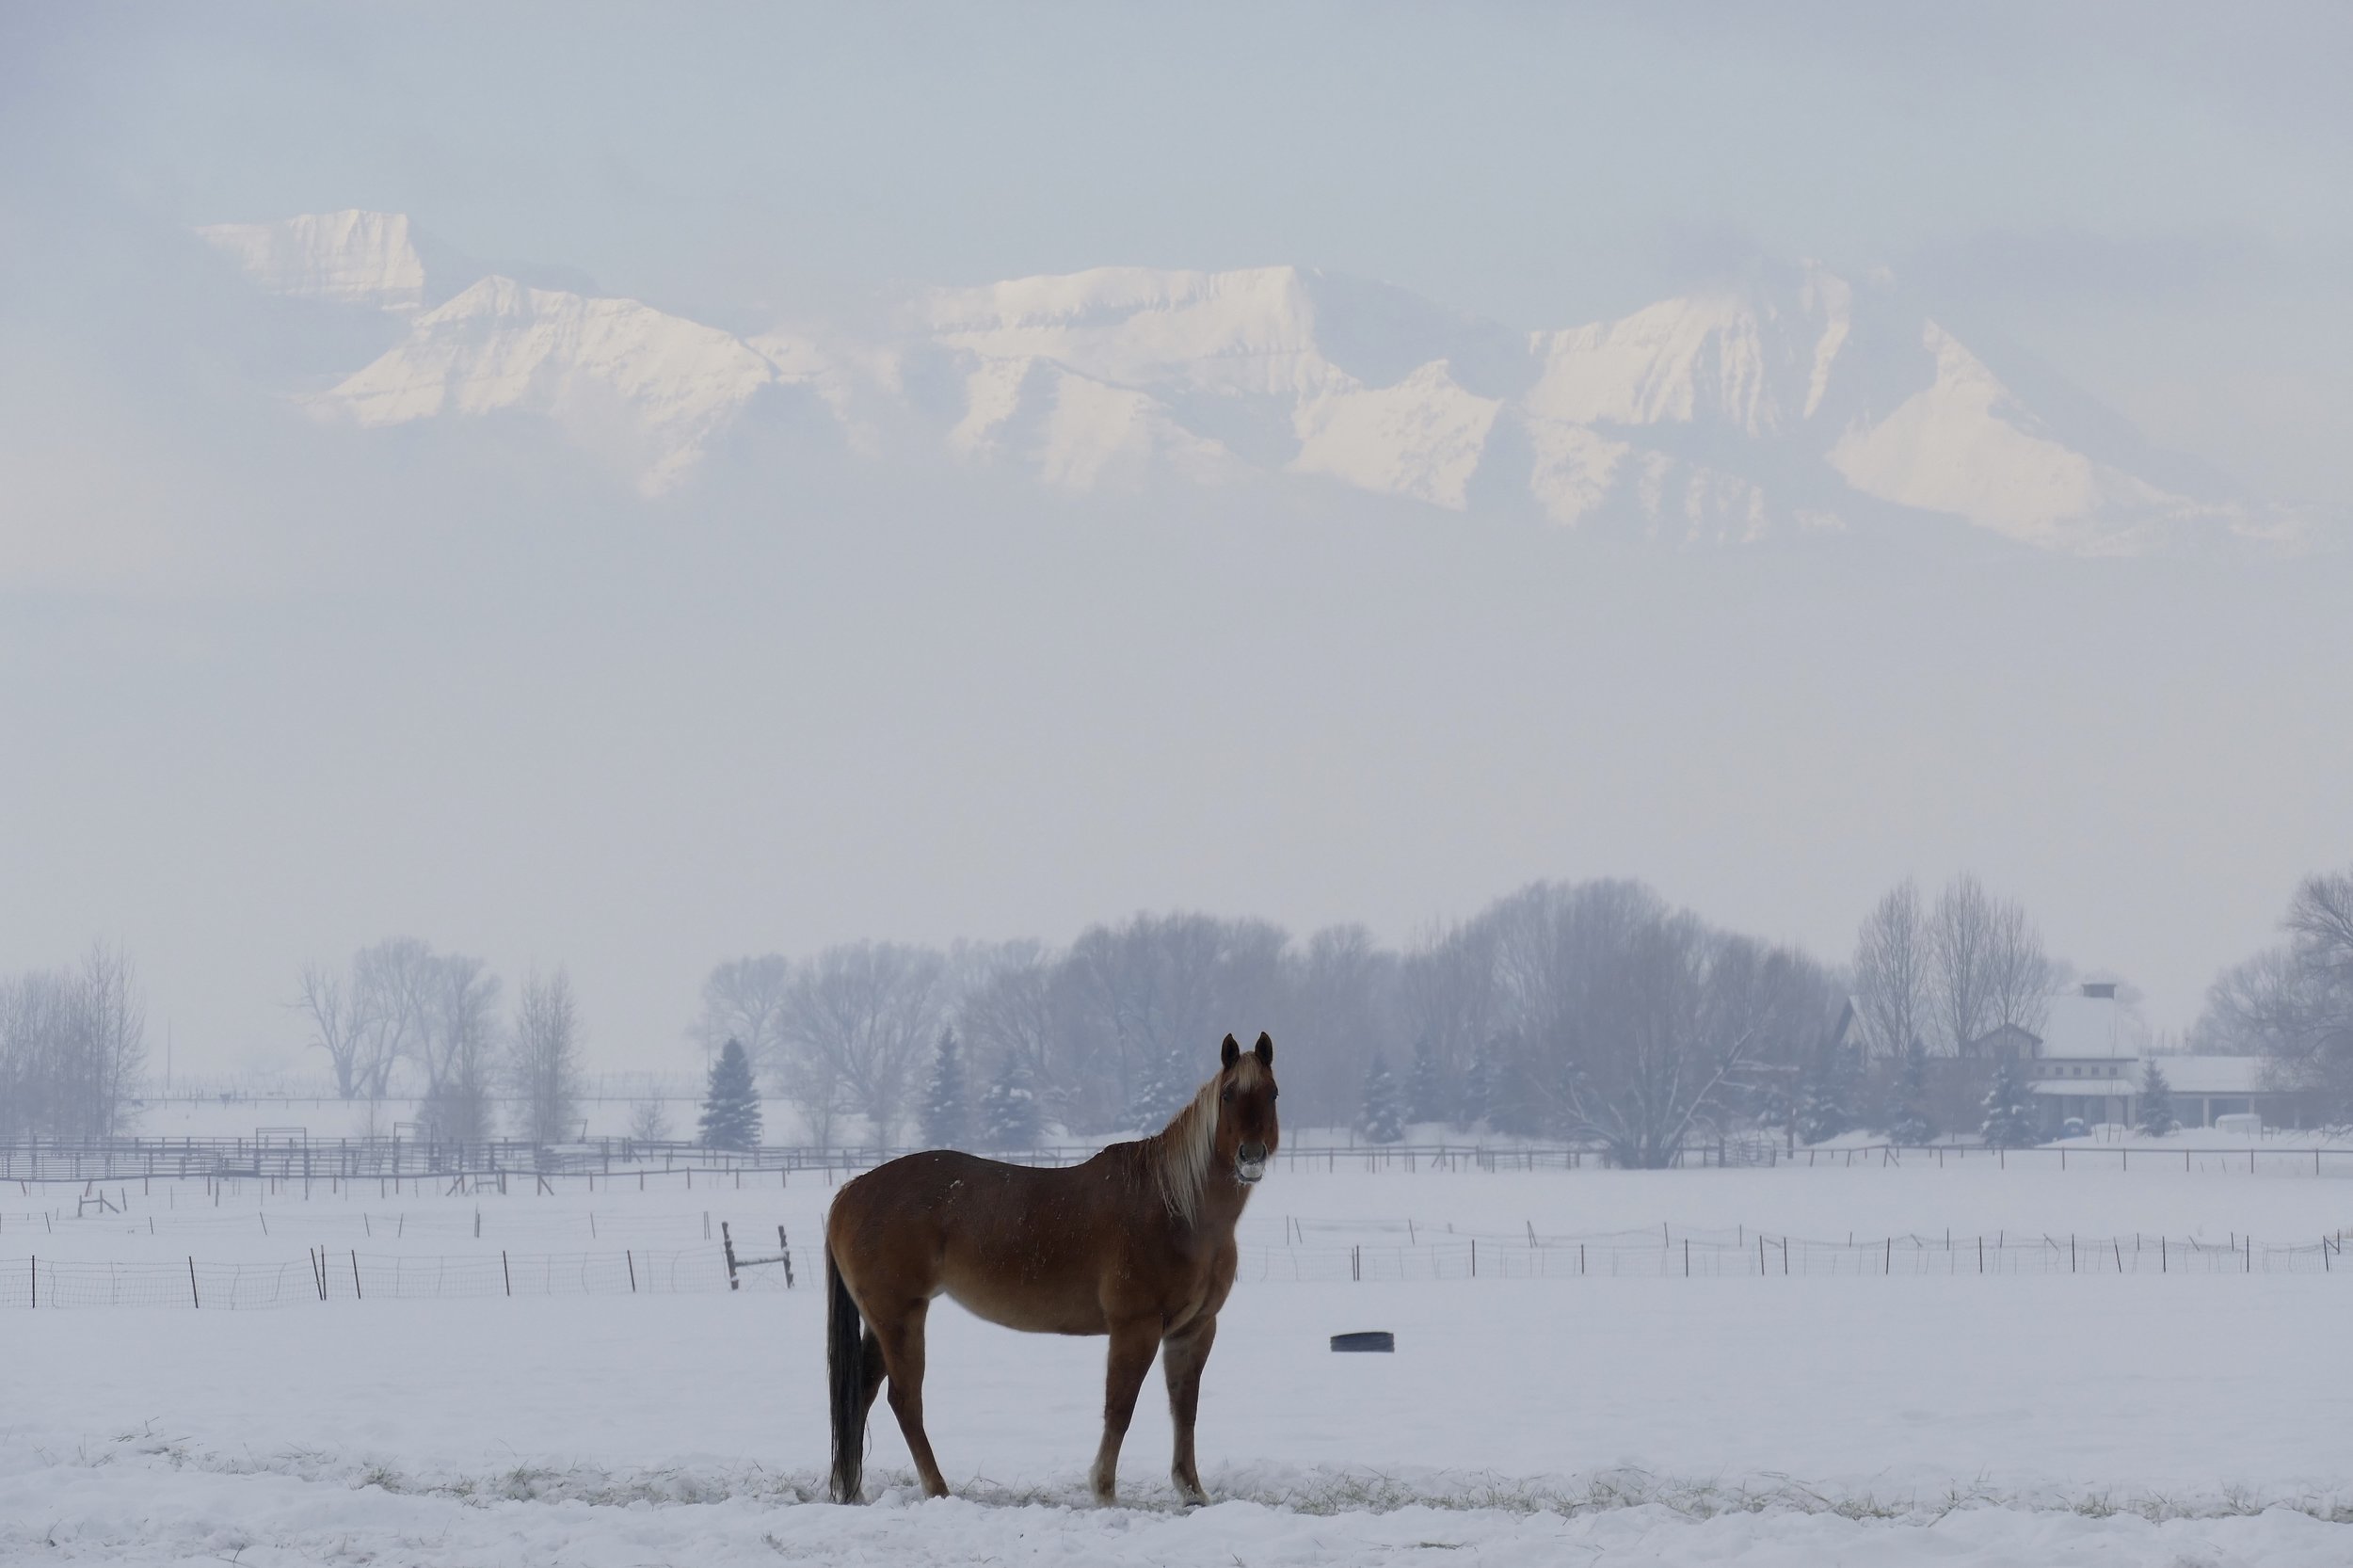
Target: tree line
pixel 1930 979
pixel 399 1008
pixel 2293 1002
pixel 72 1041
pixel 1592 1009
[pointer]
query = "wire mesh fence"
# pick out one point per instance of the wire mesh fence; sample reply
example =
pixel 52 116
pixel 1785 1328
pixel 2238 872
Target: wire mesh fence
pixel 324 1275
pixel 327 1274
pixel 1652 1255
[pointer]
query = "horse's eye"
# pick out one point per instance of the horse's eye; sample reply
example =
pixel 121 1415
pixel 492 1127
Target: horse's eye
pixel 1227 1096
pixel 1272 1092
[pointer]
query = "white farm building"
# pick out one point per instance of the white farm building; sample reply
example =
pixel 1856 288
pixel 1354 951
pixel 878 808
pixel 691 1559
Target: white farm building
pixel 2090 1061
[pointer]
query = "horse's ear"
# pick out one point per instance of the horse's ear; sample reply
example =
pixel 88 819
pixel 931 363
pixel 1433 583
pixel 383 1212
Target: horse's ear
pixel 1228 1053
pixel 1265 1049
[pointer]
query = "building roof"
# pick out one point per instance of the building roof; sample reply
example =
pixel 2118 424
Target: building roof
pixel 2081 1026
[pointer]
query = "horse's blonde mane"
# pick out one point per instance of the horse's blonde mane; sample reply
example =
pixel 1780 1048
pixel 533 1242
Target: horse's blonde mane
pixel 1182 1151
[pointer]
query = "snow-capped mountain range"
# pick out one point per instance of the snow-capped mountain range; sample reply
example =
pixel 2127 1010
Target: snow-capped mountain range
pixel 1788 402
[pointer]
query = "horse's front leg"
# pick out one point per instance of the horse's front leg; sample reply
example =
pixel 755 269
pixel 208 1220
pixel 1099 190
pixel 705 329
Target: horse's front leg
pixel 1182 1357
pixel 1133 1342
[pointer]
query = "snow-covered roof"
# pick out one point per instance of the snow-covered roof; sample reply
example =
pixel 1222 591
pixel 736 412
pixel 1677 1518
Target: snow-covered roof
pixel 2094 1027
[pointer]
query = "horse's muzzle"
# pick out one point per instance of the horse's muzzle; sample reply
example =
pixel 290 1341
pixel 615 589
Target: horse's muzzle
pixel 1250 1163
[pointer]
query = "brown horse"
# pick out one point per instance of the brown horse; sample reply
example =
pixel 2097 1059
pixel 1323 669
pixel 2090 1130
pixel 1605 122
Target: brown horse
pixel 1137 1243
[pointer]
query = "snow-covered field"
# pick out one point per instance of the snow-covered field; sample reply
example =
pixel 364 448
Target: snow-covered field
pixel 2194 1419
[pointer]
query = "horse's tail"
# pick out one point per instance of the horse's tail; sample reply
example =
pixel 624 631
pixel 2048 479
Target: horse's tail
pixel 845 1377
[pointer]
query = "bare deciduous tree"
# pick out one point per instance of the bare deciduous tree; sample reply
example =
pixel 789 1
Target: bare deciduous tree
pixel 2019 973
pixel 461 1039
pixel 115 1020
pixel 650 1121
pixel 1009 1009
pixel 1146 1002
pixel 338 1024
pixel 1340 1010
pixel 745 1000
pixel 2293 1003
pixel 1446 995
pixel 393 990
pixel 72 1043
pixel 1891 972
pixel 1447 988
pixel 1960 945
pixel 543 1061
pixel 857 1019
pixel 2320 924
pixel 1596 1011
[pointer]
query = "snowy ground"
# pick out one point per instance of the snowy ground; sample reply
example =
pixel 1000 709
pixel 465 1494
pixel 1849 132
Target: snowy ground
pixel 2187 1419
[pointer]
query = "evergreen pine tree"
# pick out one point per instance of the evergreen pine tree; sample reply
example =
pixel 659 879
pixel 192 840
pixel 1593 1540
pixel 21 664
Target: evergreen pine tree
pixel 1826 1094
pixel 1471 1108
pixel 1009 1112
pixel 1160 1092
pixel 730 1119
pixel 1769 1103
pixel 2157 1104
pixel 1426 1096
pixel 1514 1088
pixel 1385 1115
pixel 2010 1116
pixel 1907 1113
pixel 947 1106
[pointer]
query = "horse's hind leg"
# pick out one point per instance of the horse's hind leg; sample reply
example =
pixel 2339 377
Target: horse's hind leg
pixel 902 1342
pixel 1182 1357
pixel 871 1369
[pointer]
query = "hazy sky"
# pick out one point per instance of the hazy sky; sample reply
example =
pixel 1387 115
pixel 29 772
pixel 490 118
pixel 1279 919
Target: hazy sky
pixel 543 727
pixel 2153 195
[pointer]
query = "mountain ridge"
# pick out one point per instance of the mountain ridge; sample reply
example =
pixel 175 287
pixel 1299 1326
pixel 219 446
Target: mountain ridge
pixel 1789 401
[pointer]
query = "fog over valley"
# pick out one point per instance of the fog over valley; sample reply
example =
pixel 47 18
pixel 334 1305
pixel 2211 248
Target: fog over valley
pixel 382 559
